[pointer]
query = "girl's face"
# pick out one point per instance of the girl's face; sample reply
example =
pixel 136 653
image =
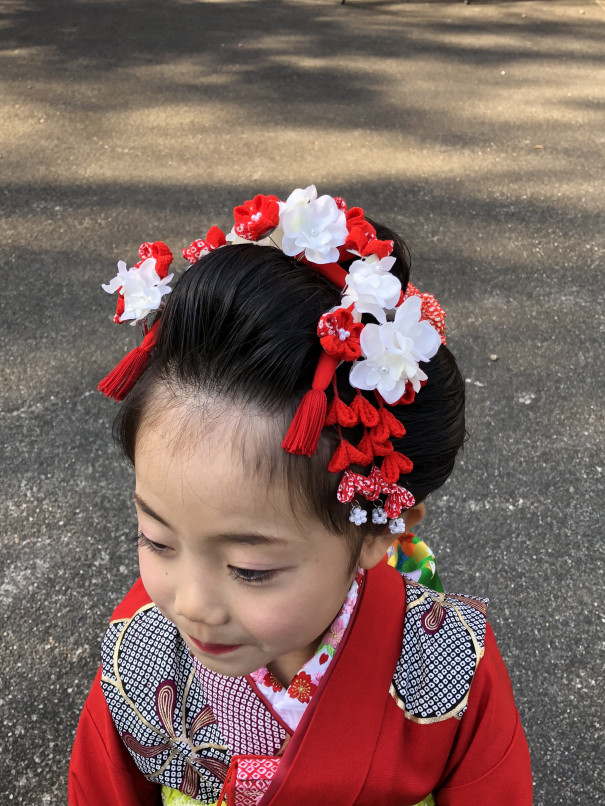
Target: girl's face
pixel 245 580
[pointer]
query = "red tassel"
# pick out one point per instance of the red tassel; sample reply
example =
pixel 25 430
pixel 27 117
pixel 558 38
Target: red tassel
pixel 123 377
pixel 331 418
pixel 305 429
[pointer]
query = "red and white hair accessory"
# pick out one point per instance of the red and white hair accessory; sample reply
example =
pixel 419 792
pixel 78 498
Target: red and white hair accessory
pixel 321 233
pixel 140 291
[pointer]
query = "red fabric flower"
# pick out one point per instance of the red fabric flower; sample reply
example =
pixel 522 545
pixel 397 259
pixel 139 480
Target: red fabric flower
pixel 271 682
pixel 301 687
pixel 359 235
pixel 376 247
pixel 339 334
pixel 200 247
pixel 255 218
pixel 362 236
pixel 323 657
pixel 355 217
pixel 145 250
pixel 160 253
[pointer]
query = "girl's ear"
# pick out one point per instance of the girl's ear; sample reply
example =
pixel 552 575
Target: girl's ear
pixel 374 548
pixel 414 515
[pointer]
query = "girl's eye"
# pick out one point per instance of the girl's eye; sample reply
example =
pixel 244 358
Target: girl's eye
pixel 250 575
pixel 145 543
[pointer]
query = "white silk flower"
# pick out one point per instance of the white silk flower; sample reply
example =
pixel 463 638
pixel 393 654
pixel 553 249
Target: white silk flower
pixel 393 351
pixel 142 289
pixel 315 226
pixel 372 287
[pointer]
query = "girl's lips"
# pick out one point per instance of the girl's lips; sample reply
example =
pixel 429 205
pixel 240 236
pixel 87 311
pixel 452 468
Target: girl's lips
pixel 214 649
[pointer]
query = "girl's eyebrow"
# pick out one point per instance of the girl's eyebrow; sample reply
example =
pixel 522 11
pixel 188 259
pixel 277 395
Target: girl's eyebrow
pixel 149 511
pixel 249 538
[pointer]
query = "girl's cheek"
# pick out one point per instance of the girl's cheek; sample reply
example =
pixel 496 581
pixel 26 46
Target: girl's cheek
pixel 155 577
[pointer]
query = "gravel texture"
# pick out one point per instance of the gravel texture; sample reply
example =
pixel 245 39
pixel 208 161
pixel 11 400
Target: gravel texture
pixel 474 130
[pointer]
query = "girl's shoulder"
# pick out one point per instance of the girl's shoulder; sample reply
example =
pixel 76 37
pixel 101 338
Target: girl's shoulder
pixel 443 642
pixel 156 701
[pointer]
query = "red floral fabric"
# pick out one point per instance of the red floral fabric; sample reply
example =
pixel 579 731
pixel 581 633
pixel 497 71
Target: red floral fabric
pixel 430 310
pixel 301 688
pixel 160 252
pixel 271 682
pixel 214 239
pixel 255 218
pixel 339 334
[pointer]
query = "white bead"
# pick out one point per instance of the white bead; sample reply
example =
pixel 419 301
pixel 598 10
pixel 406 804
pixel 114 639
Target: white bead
pixel 358 516
pixel 397 526
pixel 379 516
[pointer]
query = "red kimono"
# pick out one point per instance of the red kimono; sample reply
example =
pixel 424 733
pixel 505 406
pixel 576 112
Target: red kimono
pixel 394 718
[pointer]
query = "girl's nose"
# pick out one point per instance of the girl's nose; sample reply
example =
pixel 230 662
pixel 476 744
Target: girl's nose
pixel 199 601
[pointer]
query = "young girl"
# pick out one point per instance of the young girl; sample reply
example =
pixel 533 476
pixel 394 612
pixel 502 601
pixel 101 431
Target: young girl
pixel 292 404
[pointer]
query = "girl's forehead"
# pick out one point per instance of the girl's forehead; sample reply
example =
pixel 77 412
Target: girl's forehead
pixel 240 437
pixel 211 461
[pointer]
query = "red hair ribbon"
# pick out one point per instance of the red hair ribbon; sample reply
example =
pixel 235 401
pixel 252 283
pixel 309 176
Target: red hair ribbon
pixel 333 272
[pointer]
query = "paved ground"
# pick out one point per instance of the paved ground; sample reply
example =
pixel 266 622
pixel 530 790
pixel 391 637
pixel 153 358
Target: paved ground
pixel 476 131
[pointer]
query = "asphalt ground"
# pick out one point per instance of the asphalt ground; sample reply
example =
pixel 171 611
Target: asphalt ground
pixel 474 130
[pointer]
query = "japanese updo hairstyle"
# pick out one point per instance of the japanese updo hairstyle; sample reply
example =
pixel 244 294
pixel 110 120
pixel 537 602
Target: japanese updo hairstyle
pixel 240 329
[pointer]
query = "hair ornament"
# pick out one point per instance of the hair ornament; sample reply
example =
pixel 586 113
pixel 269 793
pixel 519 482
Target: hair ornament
pixel 199 248
pixel 397 526
pixel 255 219
pixel 379 516
pixel 140 291
pixel 358 515
pixel 385 354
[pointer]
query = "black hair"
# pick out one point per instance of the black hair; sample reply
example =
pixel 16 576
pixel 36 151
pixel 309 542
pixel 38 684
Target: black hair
pixel 240 329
